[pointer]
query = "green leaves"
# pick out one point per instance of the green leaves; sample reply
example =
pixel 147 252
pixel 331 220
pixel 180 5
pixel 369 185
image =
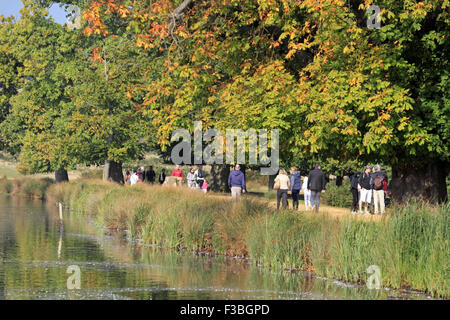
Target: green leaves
pixel 312 69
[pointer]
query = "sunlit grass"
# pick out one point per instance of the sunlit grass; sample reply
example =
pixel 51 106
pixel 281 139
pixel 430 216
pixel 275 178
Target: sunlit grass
pixel 410 244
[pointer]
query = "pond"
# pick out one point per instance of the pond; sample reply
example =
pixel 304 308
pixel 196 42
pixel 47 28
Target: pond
pixel 41 260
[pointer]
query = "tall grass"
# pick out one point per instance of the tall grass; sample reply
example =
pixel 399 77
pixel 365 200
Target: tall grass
pixel 32 187
pixel 410 245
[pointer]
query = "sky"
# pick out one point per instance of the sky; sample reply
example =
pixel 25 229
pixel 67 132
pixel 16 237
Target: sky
pixel 12 7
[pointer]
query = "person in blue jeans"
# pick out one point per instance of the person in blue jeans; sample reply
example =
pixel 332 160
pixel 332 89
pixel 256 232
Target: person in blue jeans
pixel 316 183
pixel 296 186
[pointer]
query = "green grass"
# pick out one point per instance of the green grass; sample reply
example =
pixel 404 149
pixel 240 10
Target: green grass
pixel 32 187
pixel 410 245
pixel 9 172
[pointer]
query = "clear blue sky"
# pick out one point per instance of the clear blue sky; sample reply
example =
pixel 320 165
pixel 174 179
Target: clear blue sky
pixel 12 7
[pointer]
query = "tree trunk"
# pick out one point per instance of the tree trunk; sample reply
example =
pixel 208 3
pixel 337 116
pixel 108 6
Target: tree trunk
pixel 244 169
pixel 113 172
pixel 424 181
pixel 61 175
pixel 339 181
pixel 271 182
pixel 219 177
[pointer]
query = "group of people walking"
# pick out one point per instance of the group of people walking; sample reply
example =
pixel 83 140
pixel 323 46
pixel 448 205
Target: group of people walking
pixel 366 186
pixel 313 185
pixel 195 178
pixel 134 176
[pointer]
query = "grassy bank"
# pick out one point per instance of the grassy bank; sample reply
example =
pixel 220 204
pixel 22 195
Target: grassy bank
pixel 411 246
pixel 31 187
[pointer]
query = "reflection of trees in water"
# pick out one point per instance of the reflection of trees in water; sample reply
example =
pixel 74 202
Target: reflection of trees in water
pixel 307 282
pixel 29 239
pixel 32 233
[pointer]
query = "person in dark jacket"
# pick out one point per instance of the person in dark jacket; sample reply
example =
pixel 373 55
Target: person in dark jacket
pixel 150 175
pixel 365 189
pixel 355 193
pixel 236 182
pixel 316 183
pixel 295 186
pixel 162 176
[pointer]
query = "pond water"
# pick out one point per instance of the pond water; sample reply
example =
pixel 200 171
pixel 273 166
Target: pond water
pixel 36 253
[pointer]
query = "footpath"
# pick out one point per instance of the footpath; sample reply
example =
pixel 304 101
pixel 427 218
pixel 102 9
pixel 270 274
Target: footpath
pixel 333 212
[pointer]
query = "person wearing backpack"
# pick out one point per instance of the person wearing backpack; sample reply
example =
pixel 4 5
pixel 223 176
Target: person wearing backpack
pixel 378 190
pixel 295 186
pixel 354 189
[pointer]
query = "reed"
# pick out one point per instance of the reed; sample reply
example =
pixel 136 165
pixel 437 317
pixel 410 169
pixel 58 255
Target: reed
pixel 31 187
pixel 410 244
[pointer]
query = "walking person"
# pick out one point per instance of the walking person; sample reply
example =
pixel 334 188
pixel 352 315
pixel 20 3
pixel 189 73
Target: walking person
pixel 140 174
pixel 199 176
pixel 316 183
pixel 150 175
pixel 162 176
pixel 365 189
pixel 354 190
pixel 134 178
pixel 236 182
pixel 306 194
pixel 127 178
pixel 295 186
pixel 378 189
pixel 283 181
pixel 191 179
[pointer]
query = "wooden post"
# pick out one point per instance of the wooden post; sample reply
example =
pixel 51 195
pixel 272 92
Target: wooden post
pixel 60 212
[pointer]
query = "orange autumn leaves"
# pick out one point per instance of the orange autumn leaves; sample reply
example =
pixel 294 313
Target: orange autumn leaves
pixel 95 12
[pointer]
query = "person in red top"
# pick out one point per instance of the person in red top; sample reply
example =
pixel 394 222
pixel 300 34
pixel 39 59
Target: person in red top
pixel 178 173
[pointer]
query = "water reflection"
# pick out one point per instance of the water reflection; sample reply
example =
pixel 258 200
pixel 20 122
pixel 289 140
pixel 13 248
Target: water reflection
pixel 35 254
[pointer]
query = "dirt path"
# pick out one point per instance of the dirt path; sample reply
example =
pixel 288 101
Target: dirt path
pixel 334 212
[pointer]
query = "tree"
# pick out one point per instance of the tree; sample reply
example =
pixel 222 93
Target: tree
pixel 79 96
pixel 9 75
pixel 369 97
pixel 108 96
pixel 343 91
pixel 34 128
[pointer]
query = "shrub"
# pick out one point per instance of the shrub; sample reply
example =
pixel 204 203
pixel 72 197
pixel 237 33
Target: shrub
pixel 92 174
pixel 338 196
pixel 36 187
pixel 6 185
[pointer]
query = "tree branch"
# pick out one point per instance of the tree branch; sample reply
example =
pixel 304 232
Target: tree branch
pixel 179 10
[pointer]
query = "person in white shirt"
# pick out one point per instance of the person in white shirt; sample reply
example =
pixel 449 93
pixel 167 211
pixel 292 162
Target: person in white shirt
pixel 134 178
pixel 284 183
pixel 306 193
pixel 191 179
